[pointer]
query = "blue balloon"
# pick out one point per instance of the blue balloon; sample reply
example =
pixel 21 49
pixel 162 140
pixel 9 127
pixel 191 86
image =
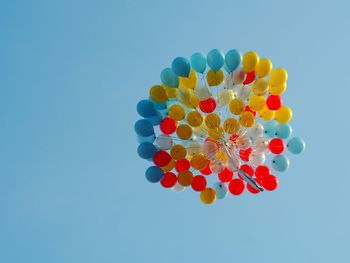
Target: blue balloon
pixel 159 105
pixel 154 174
pixel 155 120
pixel 270 128
pixel 146 150
pixel 233 59
pixel 198 62
pixel 150 139
pixel 215 59
pixel 169 78
pixel 181 67
pixel 283 131
pixel 220 189
pixel 146 108
pixel 296 145
pixel 144 128
pixel 280 163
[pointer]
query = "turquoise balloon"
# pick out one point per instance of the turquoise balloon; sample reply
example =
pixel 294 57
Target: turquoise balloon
pixel 220 189
pixel 283 131
pixel 233 59
pixel 142 139
pixel 198 62
pixel 146 150
pixel 215 59
pixel 154 174
pixel 181 67
pixel 280 163
pixel 270 128
pixel 169 78
pixel 296 145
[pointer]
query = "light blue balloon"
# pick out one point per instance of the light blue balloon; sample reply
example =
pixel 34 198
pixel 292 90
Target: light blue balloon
pixel 146 108
pixel 296 145
pixel 181 67
pixel 199 62
pixel 233 59
pixel 220 189
pixel 154 174
pixel 146 150
pixel 215 59
pixel 150 139
pixel 144 128
pixel 280 163
pixel 155 120
pixel 270 128
pixel 169 78
pixel 283 131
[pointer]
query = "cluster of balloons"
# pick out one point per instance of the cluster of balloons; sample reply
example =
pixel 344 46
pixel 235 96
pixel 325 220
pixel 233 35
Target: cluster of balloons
pixel 219 114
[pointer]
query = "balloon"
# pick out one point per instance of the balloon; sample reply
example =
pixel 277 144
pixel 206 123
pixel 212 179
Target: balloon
pixel 250 77
pixel 150 139
pixel 236 187
pixel 185 178
pixel 144 128
pixel 274 102
pixel 146 109
pixel 199 162
pixel 169 180
pixel 278 90
pixel 189 82
pixel 146 150
pixel 264 67
pixel 225 175
pixel 278 77
pixel 243 92
pixel 170 166
pixel 154 174
pixel 208 196
pixel 270 128
pixel 181 67
pixel 252 190
pixel 155 120
pixel 238 76
pixel 243 142
pixel 244 154
pixel 199 183
pixel 202 92
pixel 233 59
pixel 280 163
pixel 260 87
pixel 161 158
pixel 198 62
pixel 296 145
pixel 215 59
pixel 212 121
pixel 170 92
pixel 176 112
pixel 164 142
pixel 257 158
pixel 194 118
pixel 257 103
pixel 208 105
pixel 270 182
pixel 247 119
pixel 220 189
pixel 266 114
pixel 247 169
pixel 194 147
pixel 256 131
pixel 261 144
pixel 237 106
pixel 250 61
pixel 262 171
pixel 284 114
pixel 169 78
pixel 283 131
pixel 158 94
pixel 168 126
pixel 178 152
pixel 206 170
pixel 178 187
pixel 277 146
pixel 182 165
pixel 215 78
pixel 184 132
pixel 224 97
pixel 231 125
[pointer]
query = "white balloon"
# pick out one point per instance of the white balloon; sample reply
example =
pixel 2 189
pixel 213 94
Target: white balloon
pixel 224 97
pixel 217 166
pixel 261 144
pixel 243 142
pixel 178 187
pixel 202 92
pixel 200 131
pixel 238 76
pixel 164 142
pixel 233 163
pixel 256 131
pixel 243 92
pixel 194 147
pixel 228 83
pixel 210 149
pixel 257 158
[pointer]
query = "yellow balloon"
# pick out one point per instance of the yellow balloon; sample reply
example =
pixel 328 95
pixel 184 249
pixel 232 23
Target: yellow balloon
pixel 176 112
pixel 221 155
pixel 189 82
pixel 250 60
pixel 199 161
pixel 263 68
pixel 266 114
pixel 184 132
pixel 278 90
pixel 247 119
pixel 194 118
pixel 187 97
pixel 278 77
pixel 178 152
pixel 215 78
pixel 169 166
pixel 237 106
pixel 170 92
pixel 257 103
pixel 284 114
pixel 158 94
pixel 216 134
pixel 212 121
pixel 185 178
pixel 194 101
pixel 208 196
pixel 231 126
pixel 260 87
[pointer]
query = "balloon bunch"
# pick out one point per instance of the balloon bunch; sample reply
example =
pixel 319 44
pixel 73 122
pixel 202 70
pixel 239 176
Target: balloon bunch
pixel 228 120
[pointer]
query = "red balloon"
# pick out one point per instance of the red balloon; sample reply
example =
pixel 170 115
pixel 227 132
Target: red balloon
pixel 212 140
pixel 252 189
pixel 199 183
pixel 233 138
pixel 161 158
pixel 168 126
pixel 169 180
pixel 225 175
pixel 208 105
pixel 250 77
pixel 247 169
pixel 269 182
pixel 182 165
pixel 247 108
pixel 244 154
pixel 277 146
pixel 206 170
pixel 236 186
pixel 262 171
pixel 274 102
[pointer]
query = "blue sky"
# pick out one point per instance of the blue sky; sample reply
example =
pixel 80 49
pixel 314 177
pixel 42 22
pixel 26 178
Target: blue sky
pixel 72 188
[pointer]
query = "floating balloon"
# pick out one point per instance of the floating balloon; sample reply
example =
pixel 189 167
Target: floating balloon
pixel 229 123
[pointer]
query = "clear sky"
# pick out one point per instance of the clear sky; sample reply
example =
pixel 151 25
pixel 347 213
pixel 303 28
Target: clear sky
pixel 72 188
